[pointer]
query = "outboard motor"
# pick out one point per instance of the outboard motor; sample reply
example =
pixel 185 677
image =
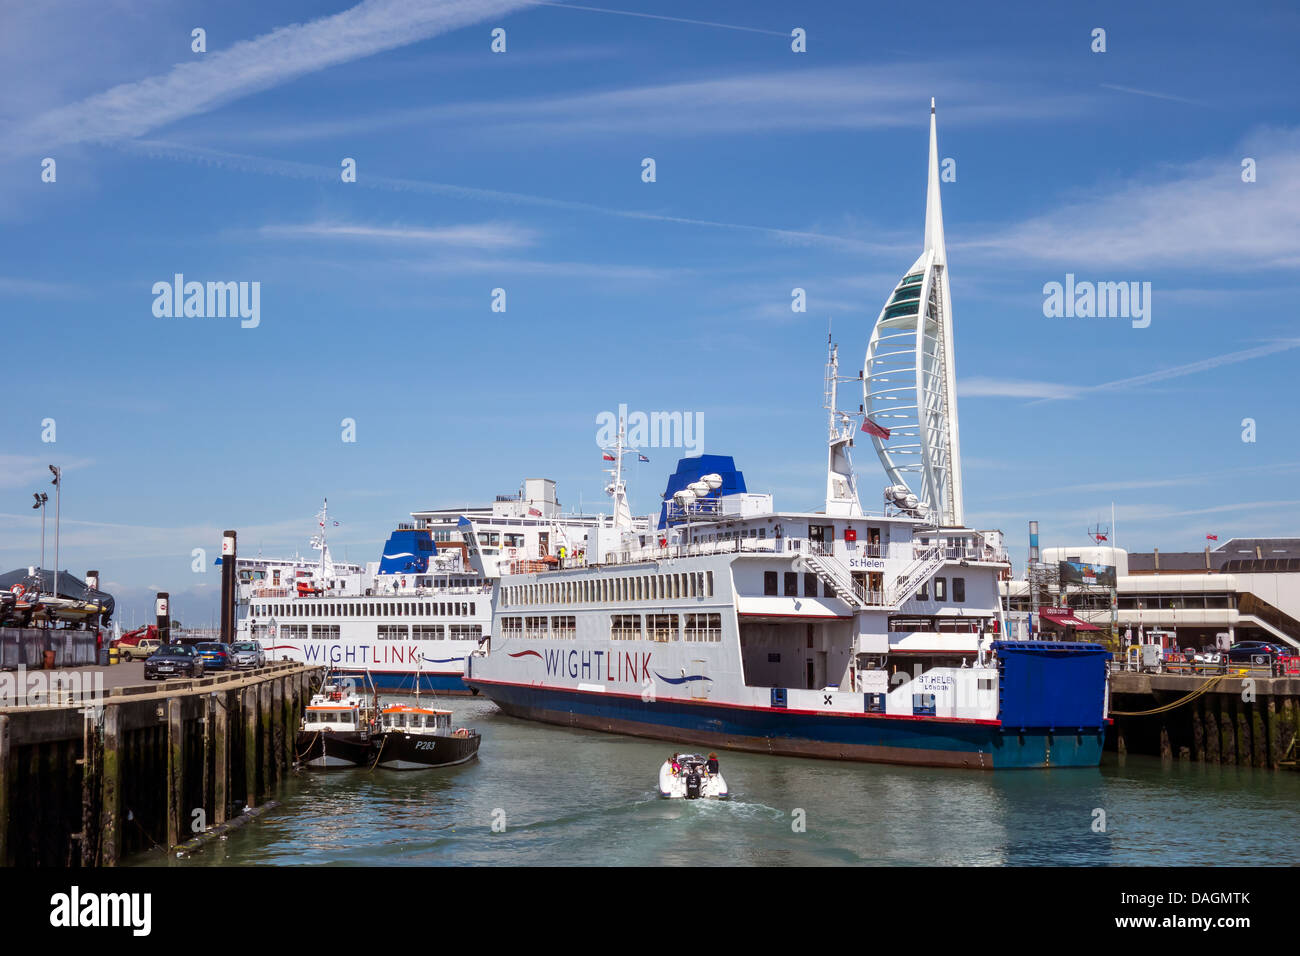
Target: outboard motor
pixel 693 784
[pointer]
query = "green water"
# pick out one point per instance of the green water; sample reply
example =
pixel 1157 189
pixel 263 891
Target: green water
pixel 561 796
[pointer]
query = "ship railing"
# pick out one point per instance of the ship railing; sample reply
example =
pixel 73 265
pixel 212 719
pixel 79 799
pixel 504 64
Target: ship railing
pixel 694 549
pixel 960 553
pixel 272 592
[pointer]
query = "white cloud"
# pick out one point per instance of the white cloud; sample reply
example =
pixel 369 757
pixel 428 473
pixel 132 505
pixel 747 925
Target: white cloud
pixel 490 235
pixel 133 109
pixel 1196 216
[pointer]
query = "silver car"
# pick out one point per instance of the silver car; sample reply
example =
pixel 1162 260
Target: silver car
pixel 248 655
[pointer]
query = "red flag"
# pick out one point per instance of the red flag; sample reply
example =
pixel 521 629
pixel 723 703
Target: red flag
pixel 871 428
pixel 534 512
pixel 608 457
pixel 1101 537
pixel 1211 537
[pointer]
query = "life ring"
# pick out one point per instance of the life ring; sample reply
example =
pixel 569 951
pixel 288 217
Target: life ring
pixel 18 590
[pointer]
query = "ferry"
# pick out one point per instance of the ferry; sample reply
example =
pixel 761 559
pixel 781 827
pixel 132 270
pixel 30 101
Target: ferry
pixel 412 618
pixel 836 633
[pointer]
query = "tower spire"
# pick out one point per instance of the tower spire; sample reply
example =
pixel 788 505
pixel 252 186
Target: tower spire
pixel 933 207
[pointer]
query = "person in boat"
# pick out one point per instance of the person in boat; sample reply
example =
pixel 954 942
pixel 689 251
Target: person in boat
pixel 713 763
pixel 675 765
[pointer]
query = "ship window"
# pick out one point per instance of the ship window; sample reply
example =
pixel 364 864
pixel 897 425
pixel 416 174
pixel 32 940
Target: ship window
pixel 427 632
pixel 924 593
pixel 564 628
pixel 703 627
pixel 662 627
pixel 708 584
pixel 810 585
pixel 874 704
pixel 941 589
pixel 791 584
pixel 923 705
pixel 959 589
pixel 769 582
pixel 625 627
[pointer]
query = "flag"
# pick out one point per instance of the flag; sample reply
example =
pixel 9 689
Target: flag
pixel 641 457
pixel 871 428
pixel 534 512
pixel 1211 537
pixel 608 457
pixel 1101 537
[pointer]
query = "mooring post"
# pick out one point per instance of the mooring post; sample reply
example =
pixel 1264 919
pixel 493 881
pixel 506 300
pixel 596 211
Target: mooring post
pixel 175 771
pixel 1243 738
pixel 228 584
pixel 163 615
pixel 286 719
pixel 1259 732
pixel 6 778
pixel 248 699
pixel 110 777
pixel 221 757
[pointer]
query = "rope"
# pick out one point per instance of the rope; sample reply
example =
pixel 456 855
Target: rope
pixel 311 743
pixel 382 745
pixel 1204 688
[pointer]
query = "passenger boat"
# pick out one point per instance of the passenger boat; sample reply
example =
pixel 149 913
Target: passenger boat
pixel 337 729
pixel 838 633
pixel 687 777
pixel 412 737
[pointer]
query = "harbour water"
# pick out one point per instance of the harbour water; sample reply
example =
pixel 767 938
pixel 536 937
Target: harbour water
pixel 571 797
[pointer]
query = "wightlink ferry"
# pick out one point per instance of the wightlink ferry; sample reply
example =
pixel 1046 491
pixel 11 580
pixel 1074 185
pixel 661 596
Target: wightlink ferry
pixel 411 619
pixel 835 633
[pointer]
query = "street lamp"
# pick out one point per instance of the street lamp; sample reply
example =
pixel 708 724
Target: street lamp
pixel 41 498
pixel 58 510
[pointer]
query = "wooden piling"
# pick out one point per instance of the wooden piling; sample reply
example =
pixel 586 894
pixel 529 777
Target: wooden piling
pixel 1229 744
pixel 1198 732
pixel 1211 731
pixel 248 700
pixel 263 694
pixel 110 840
pixel 175 771
pixel 1259 733
pixel 6 781
pixel 220 758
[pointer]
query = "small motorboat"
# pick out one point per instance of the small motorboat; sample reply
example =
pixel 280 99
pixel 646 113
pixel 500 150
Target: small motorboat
pixel 687 777
pixel 412 737
pixel 337 730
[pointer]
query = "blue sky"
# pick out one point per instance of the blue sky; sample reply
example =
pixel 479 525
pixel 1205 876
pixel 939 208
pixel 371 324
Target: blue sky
pixel 522 170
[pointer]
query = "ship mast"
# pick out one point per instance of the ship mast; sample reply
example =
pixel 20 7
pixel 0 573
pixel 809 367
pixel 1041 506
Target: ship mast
pixel 616 488
pixel 841 485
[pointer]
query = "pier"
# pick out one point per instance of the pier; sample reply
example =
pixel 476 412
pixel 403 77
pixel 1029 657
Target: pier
pixel 94 769
pixel 1221 719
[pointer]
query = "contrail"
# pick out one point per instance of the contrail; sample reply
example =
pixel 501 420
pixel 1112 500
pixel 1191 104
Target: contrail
pixel 656 16
pixel 296 170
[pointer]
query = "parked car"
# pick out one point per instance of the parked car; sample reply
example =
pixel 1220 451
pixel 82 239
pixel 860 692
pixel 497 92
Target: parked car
pixel 1245 652
pixel 216 656
pixel 144 648
pixel 173 660
pixel 249 654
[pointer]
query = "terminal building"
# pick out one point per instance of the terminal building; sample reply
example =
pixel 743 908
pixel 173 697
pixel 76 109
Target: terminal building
pixel 1247 589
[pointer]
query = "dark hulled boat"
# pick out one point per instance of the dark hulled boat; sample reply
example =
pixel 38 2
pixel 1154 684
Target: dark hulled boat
pixel 417 738
pixel 336 731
